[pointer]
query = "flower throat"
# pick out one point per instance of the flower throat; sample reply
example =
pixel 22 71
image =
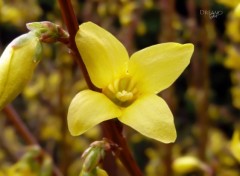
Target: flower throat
pixel 121 91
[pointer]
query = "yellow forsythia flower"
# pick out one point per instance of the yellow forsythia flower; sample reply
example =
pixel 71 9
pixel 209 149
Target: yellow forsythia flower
pixel 17 64
pixel 129 86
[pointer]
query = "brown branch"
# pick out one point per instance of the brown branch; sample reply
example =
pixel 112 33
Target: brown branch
pixel 203 118
pixel 22 130
pixel 200 72
pixel 110 130
pixel 19 125
pixel 168 34
pixel 72 25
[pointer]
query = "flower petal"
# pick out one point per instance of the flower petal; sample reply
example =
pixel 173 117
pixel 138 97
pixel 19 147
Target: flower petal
pixel 89 108
pixel 155 68
pixel 104 56
pixel 151 116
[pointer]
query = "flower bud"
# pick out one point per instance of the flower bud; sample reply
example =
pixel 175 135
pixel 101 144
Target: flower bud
pixel 93 158
pixel 17 64
pixel 48 32
pixel 93 155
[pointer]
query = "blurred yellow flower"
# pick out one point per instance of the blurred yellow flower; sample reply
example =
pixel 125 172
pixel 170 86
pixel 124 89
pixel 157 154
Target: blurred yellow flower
pixel 141 28
pixel 126 13
pixel 48 131
pixel 20 169
pixel 235 144
pixel 232 28
pixel 18 12
pixel 231 4
pixel 235 91
pixel 237 11
pixel 187 164
pixel 128 85
pixel 233 58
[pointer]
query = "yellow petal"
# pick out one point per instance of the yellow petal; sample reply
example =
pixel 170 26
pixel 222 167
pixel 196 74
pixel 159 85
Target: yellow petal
pixel 89 108
pixel 104 56
pixel 155 68
pixel 151 116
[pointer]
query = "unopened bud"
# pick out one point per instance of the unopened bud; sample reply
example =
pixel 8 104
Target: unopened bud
pixel 95 154
pixel 17 64
pixel 93 158
pixel 48 32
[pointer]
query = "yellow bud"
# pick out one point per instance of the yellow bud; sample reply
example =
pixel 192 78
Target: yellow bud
pixel 17 64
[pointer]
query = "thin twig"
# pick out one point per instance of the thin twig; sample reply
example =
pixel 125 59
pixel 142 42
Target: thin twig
pixel 19 125
pixel 110 130
pixel 22 130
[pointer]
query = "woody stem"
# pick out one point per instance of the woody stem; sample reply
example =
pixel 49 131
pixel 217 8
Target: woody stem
pixel 21 128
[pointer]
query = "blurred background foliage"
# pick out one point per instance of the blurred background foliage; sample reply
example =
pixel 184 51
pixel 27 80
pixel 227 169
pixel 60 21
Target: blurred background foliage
pixel 205 100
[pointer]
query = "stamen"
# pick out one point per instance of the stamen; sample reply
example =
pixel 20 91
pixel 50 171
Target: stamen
pixel 124 96
pixel 122 91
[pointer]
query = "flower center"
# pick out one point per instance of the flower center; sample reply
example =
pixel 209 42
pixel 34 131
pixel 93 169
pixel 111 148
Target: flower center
pixel 124 95
pixel 121 91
